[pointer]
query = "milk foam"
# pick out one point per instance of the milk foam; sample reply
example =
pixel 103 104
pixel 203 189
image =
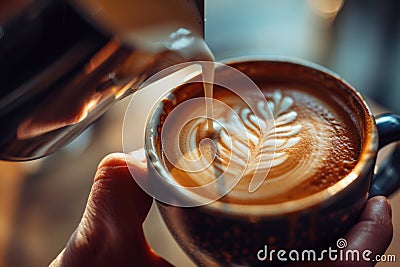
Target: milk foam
pixel 305 140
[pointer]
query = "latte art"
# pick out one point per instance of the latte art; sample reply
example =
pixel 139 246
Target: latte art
pixel 279 160
pixel 245 151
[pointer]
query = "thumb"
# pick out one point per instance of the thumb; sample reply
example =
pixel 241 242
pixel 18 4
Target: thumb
pixel 110 232
pixel 374 231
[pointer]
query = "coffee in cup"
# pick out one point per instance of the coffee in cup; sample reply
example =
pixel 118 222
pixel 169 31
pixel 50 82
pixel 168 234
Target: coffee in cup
pixel 315 142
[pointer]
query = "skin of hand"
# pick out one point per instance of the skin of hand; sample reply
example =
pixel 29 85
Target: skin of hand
pixel 110 232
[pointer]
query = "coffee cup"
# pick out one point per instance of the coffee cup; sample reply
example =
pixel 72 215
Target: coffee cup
pixel 324 146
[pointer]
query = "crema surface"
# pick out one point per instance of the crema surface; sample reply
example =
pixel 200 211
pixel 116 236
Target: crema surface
pixel 310 144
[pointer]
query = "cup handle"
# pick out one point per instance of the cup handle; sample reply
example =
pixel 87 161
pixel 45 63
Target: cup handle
pixel 387 179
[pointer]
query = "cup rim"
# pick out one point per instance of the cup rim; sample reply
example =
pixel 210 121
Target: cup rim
pixel 363 165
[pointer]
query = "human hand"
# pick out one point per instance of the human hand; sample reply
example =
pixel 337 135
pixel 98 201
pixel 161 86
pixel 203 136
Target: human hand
pixel 110 232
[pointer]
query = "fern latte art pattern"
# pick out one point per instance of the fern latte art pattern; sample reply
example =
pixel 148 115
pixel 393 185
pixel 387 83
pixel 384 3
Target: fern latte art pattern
pixel 277 160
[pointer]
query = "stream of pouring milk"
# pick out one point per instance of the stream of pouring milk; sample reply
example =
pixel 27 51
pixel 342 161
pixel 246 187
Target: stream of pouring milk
pixel 208 75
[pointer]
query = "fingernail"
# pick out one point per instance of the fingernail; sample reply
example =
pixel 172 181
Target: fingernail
pixel 138 154
pixel 136 159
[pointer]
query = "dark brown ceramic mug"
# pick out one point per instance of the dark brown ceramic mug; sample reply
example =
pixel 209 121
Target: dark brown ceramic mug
pixel 224 234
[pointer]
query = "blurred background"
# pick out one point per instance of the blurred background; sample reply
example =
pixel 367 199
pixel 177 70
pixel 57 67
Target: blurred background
pixel 41 201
